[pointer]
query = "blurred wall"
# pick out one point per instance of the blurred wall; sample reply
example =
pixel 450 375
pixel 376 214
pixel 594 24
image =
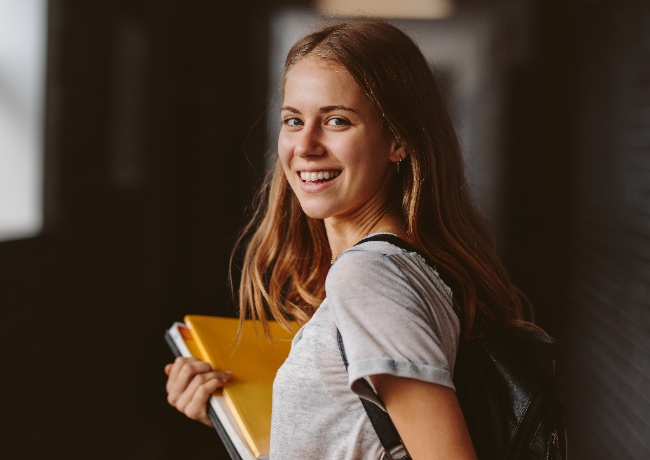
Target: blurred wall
pixel 151 108
pixel 154 141
pixel 577 228
pixel 608 334
pixel 22 87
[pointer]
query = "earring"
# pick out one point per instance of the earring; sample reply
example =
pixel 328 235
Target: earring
pixel 398 162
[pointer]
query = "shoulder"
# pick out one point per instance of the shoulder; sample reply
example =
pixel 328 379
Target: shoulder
pixel 365 254
pixel 394 313
pixel 383 264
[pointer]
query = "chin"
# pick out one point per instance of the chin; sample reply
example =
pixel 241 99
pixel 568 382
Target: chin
pixel 314 211
pixel 315 214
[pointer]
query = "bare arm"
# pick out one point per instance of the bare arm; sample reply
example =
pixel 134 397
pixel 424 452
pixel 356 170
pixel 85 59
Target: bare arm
pixel 427 417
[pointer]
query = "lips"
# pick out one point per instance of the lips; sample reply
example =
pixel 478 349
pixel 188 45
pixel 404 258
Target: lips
pixel 311 177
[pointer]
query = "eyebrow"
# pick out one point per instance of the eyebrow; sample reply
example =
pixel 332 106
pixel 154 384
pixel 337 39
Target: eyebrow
pixel 325 109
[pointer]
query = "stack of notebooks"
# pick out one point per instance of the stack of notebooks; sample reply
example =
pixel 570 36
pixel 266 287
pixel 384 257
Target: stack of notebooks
pixel 241 412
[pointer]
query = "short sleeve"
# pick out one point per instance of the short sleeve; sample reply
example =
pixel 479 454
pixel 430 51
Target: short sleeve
pixel 395 316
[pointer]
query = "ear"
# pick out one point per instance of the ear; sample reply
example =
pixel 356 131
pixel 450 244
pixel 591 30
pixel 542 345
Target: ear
pixel 397 152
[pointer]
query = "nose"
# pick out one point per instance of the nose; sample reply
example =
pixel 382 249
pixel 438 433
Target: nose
pixel 309 141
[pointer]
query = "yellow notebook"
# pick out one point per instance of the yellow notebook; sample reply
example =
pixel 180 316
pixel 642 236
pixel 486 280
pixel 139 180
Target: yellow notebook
pixel 246 401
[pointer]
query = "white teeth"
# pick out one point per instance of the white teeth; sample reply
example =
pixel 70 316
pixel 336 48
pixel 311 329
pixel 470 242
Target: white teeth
pixel 319 175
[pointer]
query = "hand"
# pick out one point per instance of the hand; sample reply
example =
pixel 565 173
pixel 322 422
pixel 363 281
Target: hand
pixel 190 384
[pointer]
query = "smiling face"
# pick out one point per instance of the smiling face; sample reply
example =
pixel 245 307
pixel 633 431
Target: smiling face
pixel 338 160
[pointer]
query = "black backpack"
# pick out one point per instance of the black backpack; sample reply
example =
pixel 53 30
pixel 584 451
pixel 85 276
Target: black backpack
pixel 506 387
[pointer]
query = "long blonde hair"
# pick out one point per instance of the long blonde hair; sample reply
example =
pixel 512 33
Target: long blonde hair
pixel 287 255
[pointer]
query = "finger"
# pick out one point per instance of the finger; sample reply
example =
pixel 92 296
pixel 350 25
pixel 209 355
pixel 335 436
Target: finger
pixel 196 408
pixel 180 362
pixel 182 372
pixel 188 370
pixel 223 376
pixel 180 396
pixel 175 367
pixel 193 401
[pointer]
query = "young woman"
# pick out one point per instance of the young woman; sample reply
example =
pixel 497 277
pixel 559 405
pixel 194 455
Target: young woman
pixel 366 147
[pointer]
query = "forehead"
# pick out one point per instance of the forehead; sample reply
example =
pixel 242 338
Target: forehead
pixel 313 77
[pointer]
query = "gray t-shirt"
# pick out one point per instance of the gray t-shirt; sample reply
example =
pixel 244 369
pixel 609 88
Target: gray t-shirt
pixel 395 316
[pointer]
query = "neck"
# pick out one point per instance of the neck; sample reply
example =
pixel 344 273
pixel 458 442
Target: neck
pixel 344 234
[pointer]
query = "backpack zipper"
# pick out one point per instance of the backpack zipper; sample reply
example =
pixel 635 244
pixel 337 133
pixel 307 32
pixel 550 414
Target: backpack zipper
pixel 555 445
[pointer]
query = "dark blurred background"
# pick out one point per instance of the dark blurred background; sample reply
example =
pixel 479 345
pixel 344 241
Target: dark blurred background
pixel 154 135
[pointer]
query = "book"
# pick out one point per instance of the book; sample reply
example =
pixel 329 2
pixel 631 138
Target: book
pixel 241 411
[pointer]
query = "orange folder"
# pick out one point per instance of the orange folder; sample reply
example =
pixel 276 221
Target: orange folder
pixel 254 361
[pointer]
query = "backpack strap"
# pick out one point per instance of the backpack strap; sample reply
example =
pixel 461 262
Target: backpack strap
pixel 389 238
pixel 379 418
pixel 400 243
pixel 504 367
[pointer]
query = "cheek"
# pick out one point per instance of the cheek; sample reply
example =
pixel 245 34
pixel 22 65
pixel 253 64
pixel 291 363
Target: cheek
pixel 284 155
pixel 284 150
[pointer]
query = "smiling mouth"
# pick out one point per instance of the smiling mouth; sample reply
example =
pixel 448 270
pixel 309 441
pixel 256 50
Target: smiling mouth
pixel 312 177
